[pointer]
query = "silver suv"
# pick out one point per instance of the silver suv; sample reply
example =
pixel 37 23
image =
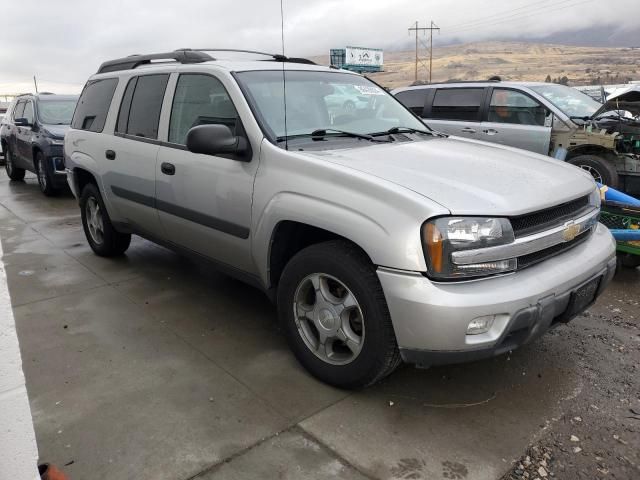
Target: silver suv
pixel 379 240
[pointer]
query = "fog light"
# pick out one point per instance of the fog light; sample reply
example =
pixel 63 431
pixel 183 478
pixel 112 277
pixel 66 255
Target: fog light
pixel 480 325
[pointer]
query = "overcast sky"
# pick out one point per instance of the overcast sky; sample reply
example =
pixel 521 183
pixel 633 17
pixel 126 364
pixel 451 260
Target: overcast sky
pixel 64 41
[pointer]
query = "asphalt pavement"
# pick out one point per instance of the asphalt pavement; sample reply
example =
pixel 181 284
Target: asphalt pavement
pixel 151 366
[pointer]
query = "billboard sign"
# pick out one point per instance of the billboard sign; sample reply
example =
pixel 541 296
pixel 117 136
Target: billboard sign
pixel 364 57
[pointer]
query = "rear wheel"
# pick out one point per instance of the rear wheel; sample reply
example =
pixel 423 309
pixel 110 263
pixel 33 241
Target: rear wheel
pixel 602 170
pixel 335 316
pixel 13 172
pixel 43 170
pixel 104 240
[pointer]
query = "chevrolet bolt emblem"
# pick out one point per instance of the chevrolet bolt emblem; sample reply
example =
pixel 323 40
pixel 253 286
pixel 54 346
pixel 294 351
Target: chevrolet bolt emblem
pixel 571 231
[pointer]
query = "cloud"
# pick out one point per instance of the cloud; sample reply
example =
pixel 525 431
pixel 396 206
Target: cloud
pixel 64 42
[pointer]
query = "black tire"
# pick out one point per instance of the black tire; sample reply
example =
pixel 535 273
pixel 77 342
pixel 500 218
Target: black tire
pixel 111 243
pixel 13 172
pixel 602 170
pixel 629 260
pixel 379 354
pixel 43 171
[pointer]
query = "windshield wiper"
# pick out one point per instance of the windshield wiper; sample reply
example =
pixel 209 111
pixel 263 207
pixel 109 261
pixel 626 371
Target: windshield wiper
pixel 394 130
pixel 323 132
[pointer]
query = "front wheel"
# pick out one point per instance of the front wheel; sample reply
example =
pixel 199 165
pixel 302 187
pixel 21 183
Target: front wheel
pixel 602 170
pixel 13 172
pixel 103 239
pixel 629 260
pixel 335 316
pixel 43 170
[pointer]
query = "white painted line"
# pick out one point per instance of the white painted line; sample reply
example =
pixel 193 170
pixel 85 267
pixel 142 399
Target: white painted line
pixel 18 449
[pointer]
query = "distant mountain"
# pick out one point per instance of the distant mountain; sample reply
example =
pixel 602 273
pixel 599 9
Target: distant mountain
pixel 610 36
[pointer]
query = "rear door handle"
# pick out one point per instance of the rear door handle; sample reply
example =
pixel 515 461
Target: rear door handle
pixel 490 131
pixel 468 130
pixel 110 154
pixel 168 168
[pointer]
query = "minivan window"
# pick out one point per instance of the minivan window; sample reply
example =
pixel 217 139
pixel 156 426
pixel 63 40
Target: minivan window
pixel 510 106
pixel 200 100
pixel 457 104
pixel 146 104
pixel 17 113
pixel 414 99
pixel 93 105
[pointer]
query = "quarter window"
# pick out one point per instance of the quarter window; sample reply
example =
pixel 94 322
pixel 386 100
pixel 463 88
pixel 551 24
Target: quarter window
pixel 93 105
pixel 200 100
pixel 510 106
pixel 143 112
pixel 414 99
pixel 457 104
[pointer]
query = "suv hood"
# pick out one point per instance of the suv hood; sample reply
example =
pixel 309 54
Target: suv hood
pixel 56 131
pixel 469 177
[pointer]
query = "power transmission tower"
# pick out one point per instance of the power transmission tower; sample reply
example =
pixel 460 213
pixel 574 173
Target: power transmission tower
pixel 417 29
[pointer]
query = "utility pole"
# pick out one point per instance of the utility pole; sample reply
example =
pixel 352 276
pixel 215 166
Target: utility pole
pixel 35 83
pixel 418 29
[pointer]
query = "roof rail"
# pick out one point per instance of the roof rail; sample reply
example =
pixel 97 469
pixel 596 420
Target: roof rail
pixel 133 61
pixel 275 56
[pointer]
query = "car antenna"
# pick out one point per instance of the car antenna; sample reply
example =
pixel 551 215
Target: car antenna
pixel 284 78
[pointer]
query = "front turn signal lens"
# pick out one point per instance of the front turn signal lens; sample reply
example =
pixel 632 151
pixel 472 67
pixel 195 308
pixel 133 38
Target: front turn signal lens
pixel 433 242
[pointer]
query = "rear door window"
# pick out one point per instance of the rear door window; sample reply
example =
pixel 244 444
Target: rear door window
pixel 414 99
pixel 457 104
pixel 142 116
pixel 93 105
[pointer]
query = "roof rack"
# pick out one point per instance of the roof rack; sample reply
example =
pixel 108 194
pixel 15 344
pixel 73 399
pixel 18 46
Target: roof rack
pixel 133 61
pixel 275 56
pixel 186 56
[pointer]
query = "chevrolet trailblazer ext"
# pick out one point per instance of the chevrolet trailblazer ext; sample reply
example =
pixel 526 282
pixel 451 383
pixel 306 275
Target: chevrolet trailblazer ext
pixel 379 239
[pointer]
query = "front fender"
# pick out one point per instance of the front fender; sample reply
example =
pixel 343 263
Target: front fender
pixel 400 249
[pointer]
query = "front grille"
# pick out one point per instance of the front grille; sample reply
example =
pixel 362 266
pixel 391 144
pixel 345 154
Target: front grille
pixel 533 258
pixel 544 219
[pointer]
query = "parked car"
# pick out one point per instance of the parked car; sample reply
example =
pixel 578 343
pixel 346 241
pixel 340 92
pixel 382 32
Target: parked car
pixel 379 239
pixel 32 137
pixel 544 118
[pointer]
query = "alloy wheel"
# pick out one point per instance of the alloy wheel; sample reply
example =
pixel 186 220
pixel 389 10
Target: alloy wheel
pixel 329 319
pixel 95 223
pixel 594 173
pixel 42 174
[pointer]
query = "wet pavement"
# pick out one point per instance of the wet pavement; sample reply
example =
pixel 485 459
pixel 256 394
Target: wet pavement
pixel 151 366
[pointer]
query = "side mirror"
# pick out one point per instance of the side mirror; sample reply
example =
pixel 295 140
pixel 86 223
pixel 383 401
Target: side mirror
pixel 21 122
pixel 217 140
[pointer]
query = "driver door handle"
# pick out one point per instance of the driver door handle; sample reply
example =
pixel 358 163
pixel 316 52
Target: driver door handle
pixel 168 168
pixel 468 130
pixel 490 131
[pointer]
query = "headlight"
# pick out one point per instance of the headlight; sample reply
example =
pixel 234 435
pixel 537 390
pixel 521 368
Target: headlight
pixel 56 141
pixel 443 236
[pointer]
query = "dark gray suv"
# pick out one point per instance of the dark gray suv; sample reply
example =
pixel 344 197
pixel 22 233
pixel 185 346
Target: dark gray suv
pixel 32 138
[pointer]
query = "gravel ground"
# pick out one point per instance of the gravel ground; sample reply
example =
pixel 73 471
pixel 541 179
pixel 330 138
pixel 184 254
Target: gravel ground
pixel 598 435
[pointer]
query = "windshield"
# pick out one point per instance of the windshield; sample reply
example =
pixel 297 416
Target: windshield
pixel 322 101
pixel 56 112
pixel 572 102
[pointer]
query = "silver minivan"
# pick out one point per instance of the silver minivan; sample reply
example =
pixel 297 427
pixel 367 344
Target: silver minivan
pixel 544 118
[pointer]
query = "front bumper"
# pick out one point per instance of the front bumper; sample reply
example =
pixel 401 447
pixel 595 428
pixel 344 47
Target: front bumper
pixel 430 319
